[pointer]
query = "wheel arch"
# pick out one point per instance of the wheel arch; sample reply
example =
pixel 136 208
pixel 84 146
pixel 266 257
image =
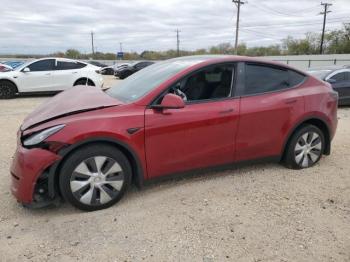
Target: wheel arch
pixel 10 81
pixel 84 79
pixel 316 121
pixel 136 166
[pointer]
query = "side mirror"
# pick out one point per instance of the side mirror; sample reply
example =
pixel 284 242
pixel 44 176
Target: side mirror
pixel 171 101
pixel 26 70
pixel 331 81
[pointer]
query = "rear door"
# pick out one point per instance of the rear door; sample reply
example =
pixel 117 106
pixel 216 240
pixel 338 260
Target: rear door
pixel 270 104
pixel 66 73
pixel 39 78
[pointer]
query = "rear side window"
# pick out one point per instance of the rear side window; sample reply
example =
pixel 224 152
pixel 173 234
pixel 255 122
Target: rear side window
pixel 65 65
pixel 42 65
pixel 262 78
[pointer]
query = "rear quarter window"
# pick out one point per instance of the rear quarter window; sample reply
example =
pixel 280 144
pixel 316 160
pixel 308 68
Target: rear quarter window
pixel 295 78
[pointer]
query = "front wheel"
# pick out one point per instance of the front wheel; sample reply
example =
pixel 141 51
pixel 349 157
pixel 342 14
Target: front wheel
pixel 305 148
pixel 7 90
pixel 95 177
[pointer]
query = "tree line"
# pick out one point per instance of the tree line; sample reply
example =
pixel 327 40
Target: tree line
pixel 336 42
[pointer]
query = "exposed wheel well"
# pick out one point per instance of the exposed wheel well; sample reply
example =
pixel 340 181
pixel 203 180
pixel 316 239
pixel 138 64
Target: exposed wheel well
pixel 84 79
pixel 9 81
pixel 318 123
pixel 137 173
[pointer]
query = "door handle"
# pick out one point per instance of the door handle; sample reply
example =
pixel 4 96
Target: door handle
pixel 291 101
pixel 226 111
pixel 75 73
pixel 47 74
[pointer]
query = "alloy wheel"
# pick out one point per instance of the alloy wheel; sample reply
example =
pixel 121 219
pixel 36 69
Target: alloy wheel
pixel 97 180
pixel 308 149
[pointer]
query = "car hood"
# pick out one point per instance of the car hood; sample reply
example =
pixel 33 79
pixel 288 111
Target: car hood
pixel 75 100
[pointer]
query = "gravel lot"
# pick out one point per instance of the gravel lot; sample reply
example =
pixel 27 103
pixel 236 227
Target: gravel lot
pixel 253 213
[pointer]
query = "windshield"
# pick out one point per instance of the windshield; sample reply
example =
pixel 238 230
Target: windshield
pixel 321 74
pixel 143 81
pixel 23 65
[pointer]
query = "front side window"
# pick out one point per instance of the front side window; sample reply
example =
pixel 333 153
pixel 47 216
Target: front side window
pixel 42 65
pixel 340 77
pixel 214 82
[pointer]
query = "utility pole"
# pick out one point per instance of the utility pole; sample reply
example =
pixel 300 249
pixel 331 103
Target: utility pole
pixel 324 13
pixel 121 47
pixel 238 4
pixel 92 43
pixel 178 41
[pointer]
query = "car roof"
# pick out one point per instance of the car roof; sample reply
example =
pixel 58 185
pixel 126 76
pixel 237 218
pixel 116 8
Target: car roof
pixel 329 68
pixel 213 59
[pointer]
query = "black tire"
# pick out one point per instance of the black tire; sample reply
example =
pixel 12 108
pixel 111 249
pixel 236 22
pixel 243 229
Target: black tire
pixel 82 82
pixel 68 177
pixel 295 155
pixel 7 90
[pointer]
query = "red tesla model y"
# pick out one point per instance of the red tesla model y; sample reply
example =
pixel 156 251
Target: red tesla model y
pixel 87 146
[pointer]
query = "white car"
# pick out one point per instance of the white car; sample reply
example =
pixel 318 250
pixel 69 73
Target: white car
pixel 48 75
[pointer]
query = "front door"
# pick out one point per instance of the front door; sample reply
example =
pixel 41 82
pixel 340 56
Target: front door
pixel 200 135
pixel 39 78
pixel 341 84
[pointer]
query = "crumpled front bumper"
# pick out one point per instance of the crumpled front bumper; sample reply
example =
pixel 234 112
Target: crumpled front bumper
pixel 27 166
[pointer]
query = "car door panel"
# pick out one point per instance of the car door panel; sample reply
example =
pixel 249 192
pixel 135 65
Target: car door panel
pixel 35 81
pixel 39 78
pixel 267 115
pixel 199 135
pixel 264 121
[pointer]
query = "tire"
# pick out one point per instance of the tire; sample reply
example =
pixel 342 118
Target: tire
pixel 7 90
pixel 95 177
pixel 305 148
pixel 82 82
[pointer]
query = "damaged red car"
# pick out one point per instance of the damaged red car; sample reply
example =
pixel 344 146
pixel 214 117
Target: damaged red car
pixel 87 146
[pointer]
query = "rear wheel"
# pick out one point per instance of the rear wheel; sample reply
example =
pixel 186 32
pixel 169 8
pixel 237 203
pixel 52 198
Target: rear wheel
pixel 305 148
pixel 95 177
pixel 7 90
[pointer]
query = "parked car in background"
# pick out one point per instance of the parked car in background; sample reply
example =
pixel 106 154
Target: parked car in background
pixel 108 70
pixel 124 71
pixel 4 67
pixel 14 64
pixel 48 75
pixel 96 63
pixel 174 116
pixel 338 77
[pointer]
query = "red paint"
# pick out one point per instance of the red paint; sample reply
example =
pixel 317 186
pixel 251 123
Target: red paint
pixel 175 140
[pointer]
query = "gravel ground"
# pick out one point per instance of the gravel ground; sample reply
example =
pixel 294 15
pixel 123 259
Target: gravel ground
pixel 253 213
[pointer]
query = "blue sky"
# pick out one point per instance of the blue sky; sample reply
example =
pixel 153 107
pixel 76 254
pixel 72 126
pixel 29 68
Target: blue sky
pixel 41 27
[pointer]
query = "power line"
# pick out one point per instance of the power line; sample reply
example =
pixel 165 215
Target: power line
pixel 266 8
pixel 324 13
pixel 335 20
pixel 238 4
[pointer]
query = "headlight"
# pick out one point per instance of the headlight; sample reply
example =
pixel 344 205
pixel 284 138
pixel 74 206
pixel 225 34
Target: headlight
pixel 42 135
